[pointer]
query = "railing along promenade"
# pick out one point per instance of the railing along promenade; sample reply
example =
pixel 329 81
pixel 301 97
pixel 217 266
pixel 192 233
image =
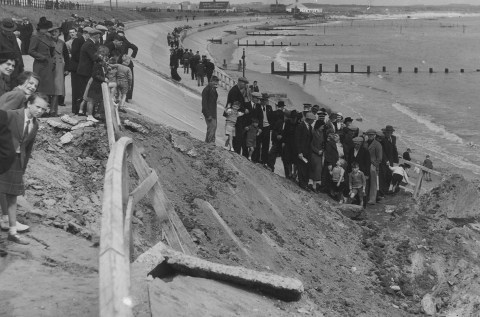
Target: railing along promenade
pixel 116 243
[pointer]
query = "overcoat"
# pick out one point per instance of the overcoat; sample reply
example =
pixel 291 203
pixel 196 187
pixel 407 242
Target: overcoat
pixel 41 49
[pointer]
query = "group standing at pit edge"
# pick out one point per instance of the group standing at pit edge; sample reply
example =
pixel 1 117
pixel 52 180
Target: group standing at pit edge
pixel 319 149
pixel 90 52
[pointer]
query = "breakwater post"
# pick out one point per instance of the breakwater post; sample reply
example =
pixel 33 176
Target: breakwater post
pixel 368 69
pixel 272 67
pixel 399 70
pixel 336 68
pixel 320 68
pixel 304 67
pixel 384 69
pixel 352 69
pixel 288 67
pixel 446 70
pixel 415 70
pixel 430 70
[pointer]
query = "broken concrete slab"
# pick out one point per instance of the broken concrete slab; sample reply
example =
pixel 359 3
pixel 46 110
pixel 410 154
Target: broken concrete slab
pixel 285 288
pixel 354 212
pixel 183 144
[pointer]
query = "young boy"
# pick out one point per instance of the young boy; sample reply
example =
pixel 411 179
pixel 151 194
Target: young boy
pixel 399 175
pixel 338 179
pixel 357 183
pixel 251 138
pixel 124 80
pixel 428 164
pixel 230 121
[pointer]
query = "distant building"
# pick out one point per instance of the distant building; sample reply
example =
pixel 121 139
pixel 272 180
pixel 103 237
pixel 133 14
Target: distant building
pixel 278 8
pixel 215 6
pixel 305 7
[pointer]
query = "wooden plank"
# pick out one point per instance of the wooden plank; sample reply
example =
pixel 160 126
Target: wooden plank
pixel 423 168
pixel 127 227
pixel 418 185
pixel 177 234
pixel 114 268
pixel 144 187
pixel 207 207
pixel 108 116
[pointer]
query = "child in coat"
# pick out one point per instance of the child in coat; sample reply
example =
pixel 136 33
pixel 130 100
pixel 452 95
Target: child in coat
pixel 251 138
pixel 338 180
pixel 357 183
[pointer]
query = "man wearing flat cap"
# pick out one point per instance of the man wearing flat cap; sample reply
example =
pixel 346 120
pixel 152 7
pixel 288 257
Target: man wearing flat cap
pixel 263 112
pixel 87 58
pixel 376 155
pixel 26 32
pixel 77 44
pixel 239 93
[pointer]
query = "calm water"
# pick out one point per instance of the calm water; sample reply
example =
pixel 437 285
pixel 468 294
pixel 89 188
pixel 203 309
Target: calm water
pixel 432 113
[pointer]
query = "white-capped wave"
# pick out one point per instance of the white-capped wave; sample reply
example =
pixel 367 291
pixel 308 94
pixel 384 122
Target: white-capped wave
pixel 282 58
pixel 439 129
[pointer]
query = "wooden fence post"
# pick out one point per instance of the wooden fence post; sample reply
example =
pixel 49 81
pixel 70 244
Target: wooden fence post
pixel 288 67
pixel 336 68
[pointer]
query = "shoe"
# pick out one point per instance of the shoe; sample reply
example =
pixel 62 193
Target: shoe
pixel 20 226
pixel 17 239
pixel 91 118
pixel 232 150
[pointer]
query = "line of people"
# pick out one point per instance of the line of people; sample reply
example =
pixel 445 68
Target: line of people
pixel 321 150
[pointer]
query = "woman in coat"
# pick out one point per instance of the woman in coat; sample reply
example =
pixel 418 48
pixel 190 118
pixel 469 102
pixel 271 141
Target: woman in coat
pixel 61 59
pixel 7 66
pixel 41 49
pixel 317 154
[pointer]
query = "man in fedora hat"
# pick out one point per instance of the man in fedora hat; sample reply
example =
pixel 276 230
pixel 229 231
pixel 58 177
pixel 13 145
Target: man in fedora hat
pixel 303 140
pixel 278 113
pixel 263 112
pixel 390 148
pixel 376 156
pixel 8 43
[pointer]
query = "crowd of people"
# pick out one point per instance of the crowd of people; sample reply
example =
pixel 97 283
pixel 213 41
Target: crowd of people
pixel 321 150
pixel 199 67
pixel 90 52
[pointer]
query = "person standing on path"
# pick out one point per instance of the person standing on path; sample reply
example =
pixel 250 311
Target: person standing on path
pixel 376 157
pixel 209 108
pixel 237 93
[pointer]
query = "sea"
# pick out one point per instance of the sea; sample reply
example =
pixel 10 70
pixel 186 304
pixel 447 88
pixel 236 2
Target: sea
pixel 434 113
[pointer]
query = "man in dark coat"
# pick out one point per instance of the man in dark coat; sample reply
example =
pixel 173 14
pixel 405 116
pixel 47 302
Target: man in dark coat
pixel 174 65
pixel 303 140
pixel 26 31
pixel 390 147
pixel 74 60
pixel 278 142
pixel 8 43
pixel 209 108
pixel 263 112
pixel 127 45
pixel 87 58
pixel 210 67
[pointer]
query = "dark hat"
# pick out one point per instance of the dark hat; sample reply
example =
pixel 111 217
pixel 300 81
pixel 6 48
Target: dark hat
pixel 8 25
pixel 7 55
pixel 371 131
pixel 280 103
pixel 264 96
pixel 44 24
pixel 347 119
pixel 53 28
pixel 409 151
pixel 388 128
pixel 242 79
pixel 316 107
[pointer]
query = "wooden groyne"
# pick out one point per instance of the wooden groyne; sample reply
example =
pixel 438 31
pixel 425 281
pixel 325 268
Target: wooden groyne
pixel 352 70
pixel 271 44
pixel 277 34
